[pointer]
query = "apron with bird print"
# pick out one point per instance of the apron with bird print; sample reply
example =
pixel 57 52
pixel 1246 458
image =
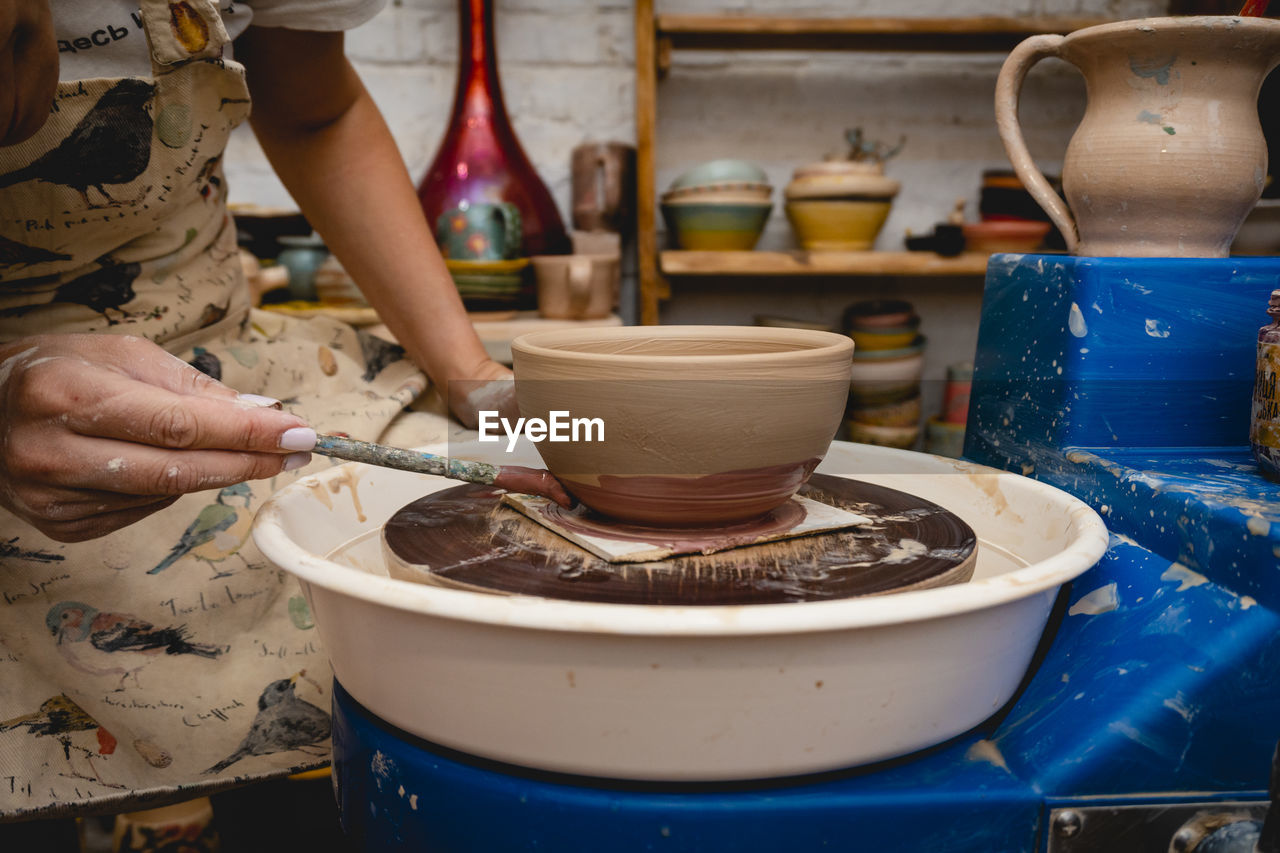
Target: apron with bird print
pixel 167 659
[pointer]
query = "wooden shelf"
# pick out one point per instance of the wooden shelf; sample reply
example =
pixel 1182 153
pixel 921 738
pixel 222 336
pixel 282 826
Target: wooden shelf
pixel 682 263
pixel 659 36
pixel 750 32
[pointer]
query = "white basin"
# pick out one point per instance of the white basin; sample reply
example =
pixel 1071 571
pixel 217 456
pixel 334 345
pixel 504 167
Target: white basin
pixel 685 693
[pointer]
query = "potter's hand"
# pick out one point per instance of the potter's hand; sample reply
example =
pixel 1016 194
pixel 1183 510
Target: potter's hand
pixel 28 68
pixel 99 431
pixel 490 388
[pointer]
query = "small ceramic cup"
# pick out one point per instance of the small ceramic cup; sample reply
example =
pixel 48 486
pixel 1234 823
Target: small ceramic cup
pixel 576 287
pixel 480 231
pixel 302 257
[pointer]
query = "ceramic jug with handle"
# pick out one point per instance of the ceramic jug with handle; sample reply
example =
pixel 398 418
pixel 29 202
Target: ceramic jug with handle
pixel 1169 157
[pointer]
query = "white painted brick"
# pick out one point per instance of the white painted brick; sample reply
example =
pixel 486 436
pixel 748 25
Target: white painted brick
pixel 398 35
pixel 568 77
pixel 555 39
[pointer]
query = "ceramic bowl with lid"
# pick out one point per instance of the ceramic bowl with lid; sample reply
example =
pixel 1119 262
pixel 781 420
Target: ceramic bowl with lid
pixel 839 205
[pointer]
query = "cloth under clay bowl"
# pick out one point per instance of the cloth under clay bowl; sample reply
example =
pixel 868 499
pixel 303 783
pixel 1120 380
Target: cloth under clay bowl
pixel 716 226
pixel 1006 235
pixel 723 171
pixel 703 425
pixel 839 205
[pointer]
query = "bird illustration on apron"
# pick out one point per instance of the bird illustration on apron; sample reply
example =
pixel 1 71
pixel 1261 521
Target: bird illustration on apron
pixel 170 656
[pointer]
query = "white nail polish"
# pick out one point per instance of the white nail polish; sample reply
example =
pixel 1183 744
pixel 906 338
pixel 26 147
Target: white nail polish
pixel 298 438
pixel 258 400
pixel 296 460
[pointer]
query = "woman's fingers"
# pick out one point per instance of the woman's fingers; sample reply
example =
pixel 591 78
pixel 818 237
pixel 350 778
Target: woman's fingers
pixel 99 431
pixel 127 468
pixel 154 366
pixel 92 526
pixel 94 401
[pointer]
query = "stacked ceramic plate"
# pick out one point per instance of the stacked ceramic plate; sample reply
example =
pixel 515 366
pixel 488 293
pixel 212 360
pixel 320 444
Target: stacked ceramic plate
pixel 888 361
pixel 488 285
pixel 1011 220
pixel 718 205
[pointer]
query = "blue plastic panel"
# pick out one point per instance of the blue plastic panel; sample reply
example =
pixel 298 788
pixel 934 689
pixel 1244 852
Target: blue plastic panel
pixel 1127 352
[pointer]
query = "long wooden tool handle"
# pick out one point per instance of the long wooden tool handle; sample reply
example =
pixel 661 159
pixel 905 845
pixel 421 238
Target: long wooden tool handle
pixel 406 460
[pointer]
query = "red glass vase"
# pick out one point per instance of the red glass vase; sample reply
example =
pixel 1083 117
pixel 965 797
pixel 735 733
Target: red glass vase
pixel 480 158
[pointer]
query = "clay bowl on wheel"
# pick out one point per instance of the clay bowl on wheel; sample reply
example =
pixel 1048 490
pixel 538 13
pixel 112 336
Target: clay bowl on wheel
pixel 703 425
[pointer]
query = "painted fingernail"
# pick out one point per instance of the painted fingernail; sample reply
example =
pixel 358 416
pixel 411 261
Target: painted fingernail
pixel 298 438
pixel 259 401
pixel 296 460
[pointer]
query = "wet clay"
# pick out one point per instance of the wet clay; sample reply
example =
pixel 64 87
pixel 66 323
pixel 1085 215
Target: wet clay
pixel 702 424
pixel 532 481
pixel 464 537
pixel 693 501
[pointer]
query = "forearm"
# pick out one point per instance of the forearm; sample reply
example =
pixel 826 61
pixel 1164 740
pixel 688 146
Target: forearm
pixel 349 179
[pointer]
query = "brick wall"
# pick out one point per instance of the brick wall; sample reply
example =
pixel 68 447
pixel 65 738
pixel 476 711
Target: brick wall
pixel 567 73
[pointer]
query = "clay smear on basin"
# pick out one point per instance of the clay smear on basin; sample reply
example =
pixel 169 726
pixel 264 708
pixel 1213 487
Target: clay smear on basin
pixel 463 537
pixel 704 425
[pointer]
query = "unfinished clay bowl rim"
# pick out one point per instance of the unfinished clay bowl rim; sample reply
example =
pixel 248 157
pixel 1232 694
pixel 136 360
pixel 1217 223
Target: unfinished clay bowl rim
pixel 813 346
pixel 1089 543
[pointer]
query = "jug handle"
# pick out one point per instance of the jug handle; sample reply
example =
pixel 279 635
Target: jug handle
pixel 1008 90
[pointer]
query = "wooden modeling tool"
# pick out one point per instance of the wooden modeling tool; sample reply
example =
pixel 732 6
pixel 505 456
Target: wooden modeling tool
pixel 513 478
pixel 1254 8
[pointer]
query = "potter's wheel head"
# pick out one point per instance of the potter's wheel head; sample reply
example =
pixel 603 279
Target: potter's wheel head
pixel 464 537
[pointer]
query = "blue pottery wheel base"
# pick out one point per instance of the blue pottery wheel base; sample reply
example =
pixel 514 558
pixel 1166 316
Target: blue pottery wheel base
pixel 396 792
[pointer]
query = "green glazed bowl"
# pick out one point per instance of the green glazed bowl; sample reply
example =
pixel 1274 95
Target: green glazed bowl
pixel 716 226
